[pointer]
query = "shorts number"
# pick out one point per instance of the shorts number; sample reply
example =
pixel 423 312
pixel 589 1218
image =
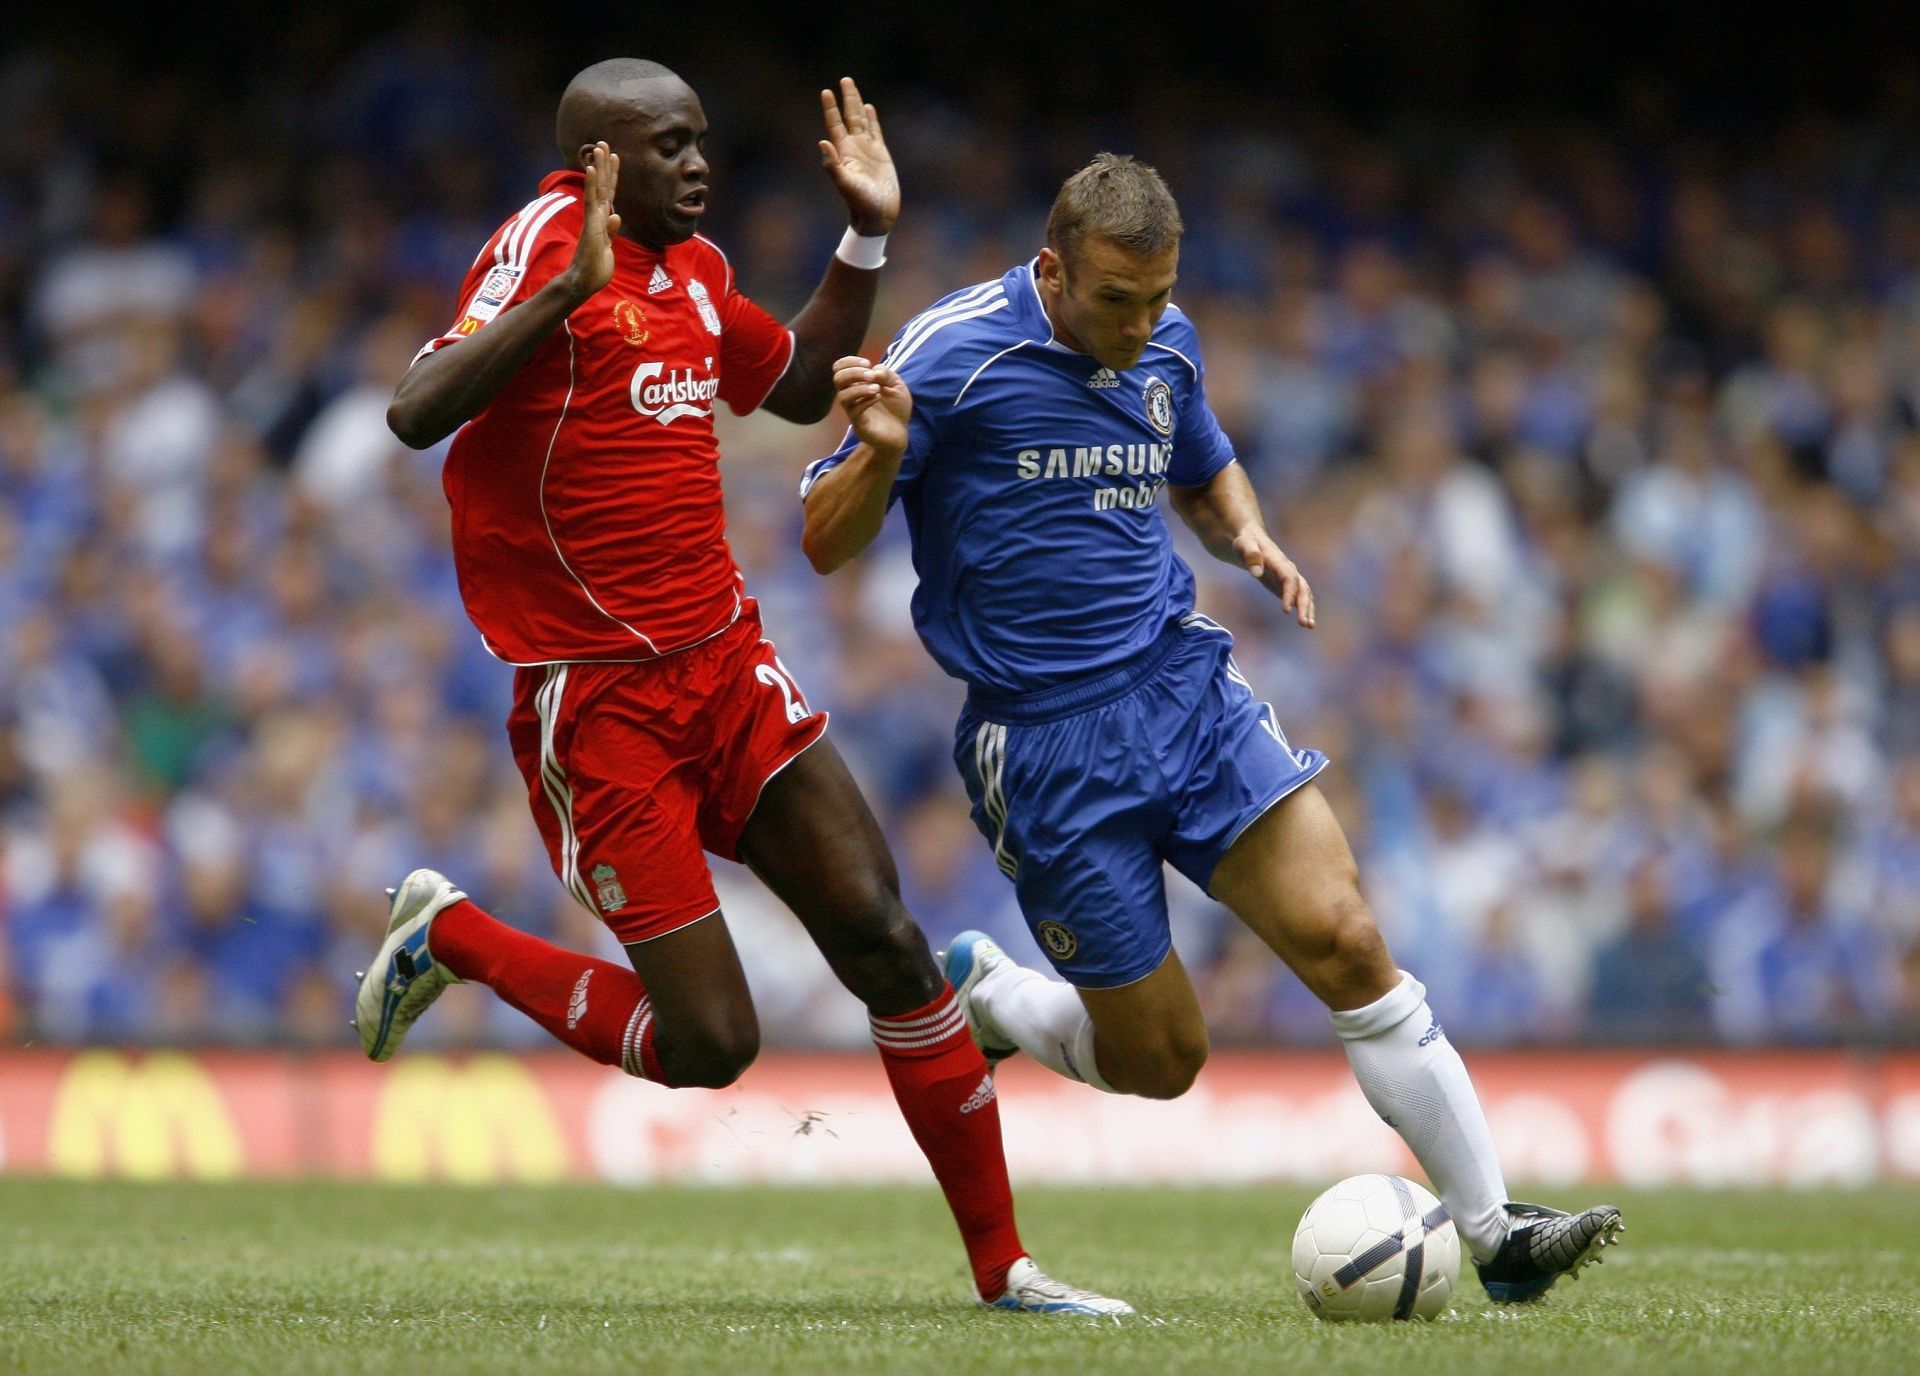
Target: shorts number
pixel 775 675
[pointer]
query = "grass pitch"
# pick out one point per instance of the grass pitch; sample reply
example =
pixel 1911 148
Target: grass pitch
pixel 343 1279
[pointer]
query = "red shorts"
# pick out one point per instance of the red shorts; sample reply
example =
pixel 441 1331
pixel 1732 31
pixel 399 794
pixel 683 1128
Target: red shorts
pixel 634 769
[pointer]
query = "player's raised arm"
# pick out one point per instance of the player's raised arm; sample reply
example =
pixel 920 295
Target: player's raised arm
pixel 1225 514
pixel 846 504
pixel 834 322
pixel 452 385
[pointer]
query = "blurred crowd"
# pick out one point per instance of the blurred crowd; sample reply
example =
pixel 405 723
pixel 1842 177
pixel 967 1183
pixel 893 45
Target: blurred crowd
pixel 1601 446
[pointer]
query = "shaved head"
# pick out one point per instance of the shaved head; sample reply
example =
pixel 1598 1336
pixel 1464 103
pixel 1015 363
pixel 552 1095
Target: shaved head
pixel 652 124
pixel 603 95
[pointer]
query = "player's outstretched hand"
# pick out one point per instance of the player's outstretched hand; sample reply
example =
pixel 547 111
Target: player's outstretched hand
pixel 855 155
pixel 592 266
pixel 1263 559
pixel 877 403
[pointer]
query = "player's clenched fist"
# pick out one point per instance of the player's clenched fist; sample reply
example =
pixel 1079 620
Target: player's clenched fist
pixel 877 403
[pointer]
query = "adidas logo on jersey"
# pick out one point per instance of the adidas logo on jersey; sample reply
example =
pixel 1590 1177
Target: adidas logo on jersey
pixel 1103 377
pixel 980 1098
pixel 661 282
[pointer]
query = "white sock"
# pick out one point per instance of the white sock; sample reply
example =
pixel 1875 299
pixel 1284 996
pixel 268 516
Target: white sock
pixel 1044 1018
pixel 1418 1084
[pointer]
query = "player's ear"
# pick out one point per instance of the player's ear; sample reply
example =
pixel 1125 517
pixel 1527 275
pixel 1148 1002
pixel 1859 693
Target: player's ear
pixel 583 158
pixel 1051 269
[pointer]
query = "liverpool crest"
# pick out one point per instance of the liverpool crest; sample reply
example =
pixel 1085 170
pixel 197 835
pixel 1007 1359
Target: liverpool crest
pixel 704 304
pixel 606 883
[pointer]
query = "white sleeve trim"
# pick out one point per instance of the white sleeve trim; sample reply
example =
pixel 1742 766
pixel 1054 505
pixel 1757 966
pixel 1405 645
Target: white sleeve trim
pixel 819 468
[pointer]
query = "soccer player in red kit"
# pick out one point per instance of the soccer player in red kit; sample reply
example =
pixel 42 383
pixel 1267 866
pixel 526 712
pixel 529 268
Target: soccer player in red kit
pixel 652 719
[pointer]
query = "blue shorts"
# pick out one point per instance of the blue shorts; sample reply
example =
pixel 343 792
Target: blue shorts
pixel 1085 789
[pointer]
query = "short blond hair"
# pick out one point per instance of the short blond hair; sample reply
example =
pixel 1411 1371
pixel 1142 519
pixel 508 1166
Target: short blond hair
pixel 1116 198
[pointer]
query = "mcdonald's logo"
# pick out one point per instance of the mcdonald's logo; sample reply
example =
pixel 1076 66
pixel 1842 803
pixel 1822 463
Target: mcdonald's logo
pixel 147 1119
pixel 476 1123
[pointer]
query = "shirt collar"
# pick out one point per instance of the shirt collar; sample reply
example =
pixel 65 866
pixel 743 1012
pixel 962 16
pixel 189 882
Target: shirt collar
pixel 1023 290
pixel 1023 294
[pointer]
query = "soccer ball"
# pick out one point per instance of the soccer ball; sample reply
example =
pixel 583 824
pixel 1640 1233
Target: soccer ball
pixel 1376 1247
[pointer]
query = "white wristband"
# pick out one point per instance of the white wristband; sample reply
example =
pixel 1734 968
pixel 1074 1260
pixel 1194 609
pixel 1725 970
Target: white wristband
pixel 864 251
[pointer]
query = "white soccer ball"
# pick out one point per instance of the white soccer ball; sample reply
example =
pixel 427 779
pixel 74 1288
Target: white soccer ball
pixel 1376 1247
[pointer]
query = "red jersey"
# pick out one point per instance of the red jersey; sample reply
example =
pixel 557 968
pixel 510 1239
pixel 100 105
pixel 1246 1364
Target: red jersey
pixel 587 517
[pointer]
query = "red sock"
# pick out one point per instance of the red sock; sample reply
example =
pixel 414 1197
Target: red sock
pixel 596 1007
pixel 946 1095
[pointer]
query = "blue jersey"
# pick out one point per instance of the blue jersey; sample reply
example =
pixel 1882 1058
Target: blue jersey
pixel 1031 485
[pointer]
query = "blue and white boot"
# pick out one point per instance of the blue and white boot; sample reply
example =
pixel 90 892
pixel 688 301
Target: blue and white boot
pixel 404 978
pixel 972 957
pixel 1032 1291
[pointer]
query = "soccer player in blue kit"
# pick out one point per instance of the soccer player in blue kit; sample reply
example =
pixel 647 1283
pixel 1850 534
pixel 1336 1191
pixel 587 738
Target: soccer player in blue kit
pixel 1028 425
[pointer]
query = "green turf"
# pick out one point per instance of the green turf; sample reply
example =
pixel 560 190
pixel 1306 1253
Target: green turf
pixel 341 1279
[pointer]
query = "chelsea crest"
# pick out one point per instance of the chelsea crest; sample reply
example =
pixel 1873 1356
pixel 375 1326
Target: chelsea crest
pixel 1159 398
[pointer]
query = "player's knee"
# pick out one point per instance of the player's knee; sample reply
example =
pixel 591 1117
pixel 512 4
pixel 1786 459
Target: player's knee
pixel 1171 1069
pixel 881 930
pixel 1169 1078
pixel 883 958
pixel 715 1068
pixel 711 1057
pixel 1353 956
